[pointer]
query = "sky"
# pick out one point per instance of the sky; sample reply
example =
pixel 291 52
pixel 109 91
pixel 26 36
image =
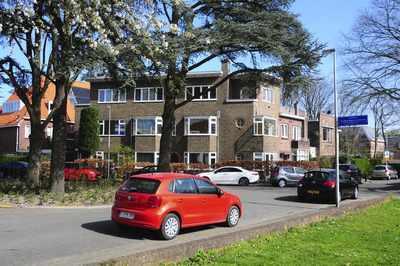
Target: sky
pixel 325 19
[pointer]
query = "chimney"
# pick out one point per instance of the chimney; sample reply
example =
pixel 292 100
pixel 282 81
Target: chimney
pixel 296 108
pixel 225 67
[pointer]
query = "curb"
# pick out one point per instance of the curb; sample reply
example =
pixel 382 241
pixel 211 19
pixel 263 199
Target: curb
pixel 180 252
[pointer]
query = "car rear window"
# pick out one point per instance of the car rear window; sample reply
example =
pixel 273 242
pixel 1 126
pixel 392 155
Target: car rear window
pixel 138 185
pixel 380 168
pixel 344 167
pixel 316 175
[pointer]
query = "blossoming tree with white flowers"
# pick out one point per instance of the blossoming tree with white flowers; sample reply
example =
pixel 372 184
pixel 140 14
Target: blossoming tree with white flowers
pixel 258 37
pixel 59 39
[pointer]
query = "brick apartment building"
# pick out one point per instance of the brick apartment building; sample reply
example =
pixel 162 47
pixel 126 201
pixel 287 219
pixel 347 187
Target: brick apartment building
pixel 15 122
pixel 226 124
pixel 294 144
pixel 321 132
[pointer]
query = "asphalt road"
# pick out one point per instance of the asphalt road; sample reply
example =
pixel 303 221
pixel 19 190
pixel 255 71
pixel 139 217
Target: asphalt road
pixel 78 236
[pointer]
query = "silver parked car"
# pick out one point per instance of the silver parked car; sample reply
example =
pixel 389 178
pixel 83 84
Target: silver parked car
pixel 384 171
pixel 286 175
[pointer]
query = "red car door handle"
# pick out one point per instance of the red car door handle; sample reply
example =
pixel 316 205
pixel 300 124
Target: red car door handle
pixel 180 200
pixel 204 200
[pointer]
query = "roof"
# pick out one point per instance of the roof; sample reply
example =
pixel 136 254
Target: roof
pixel 14 118
pixel 369 132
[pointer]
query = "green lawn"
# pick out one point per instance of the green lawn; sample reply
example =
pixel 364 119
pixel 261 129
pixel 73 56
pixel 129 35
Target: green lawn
pixel 370 237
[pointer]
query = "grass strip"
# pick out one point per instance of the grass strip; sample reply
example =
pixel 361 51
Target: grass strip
pixel 369 237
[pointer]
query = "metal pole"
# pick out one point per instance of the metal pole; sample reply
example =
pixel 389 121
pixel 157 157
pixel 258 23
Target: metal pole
pixel 109 132
pixel 329 51
pixel 336 131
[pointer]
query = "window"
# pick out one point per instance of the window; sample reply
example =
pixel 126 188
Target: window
pixel 174 129
pixel 49 132
pixel 296 133
pixel 302 155
pixel 245 93
pixel 200 157
pixel 148 157
pixel 11 107
pixel 268 95
pixel 265 126
pixel 149 94
pixel 239 122
pixel 112 95
pixel 185 186
pixel 239 157
pixel 117 127
pixel 50 106
pixel 263 156
pixel 27 131
pixel 201 125
pixel 206 187
pixel 195 90
pixel 285 129
pixel 146 126
pixel 327 134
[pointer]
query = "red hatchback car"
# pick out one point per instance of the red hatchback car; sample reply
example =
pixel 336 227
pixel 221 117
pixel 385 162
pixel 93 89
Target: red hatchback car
pixel 168 202
pixel 75 171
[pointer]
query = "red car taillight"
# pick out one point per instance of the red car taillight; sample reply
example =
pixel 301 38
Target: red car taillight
pixel 348 171
pixel 330 183
pixel 386 171
pixel 277 173
pixel 301 181
pixel 154 202
pixel 255 174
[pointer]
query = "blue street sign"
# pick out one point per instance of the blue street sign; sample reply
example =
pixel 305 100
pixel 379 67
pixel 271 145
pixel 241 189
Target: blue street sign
pixel 353 120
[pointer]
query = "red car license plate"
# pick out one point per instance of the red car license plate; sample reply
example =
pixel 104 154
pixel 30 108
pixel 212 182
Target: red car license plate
pixel 127 215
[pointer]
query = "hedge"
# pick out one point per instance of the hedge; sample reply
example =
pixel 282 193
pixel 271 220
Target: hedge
pixel 12 158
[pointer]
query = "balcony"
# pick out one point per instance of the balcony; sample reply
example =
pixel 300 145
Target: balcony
pixel 303 143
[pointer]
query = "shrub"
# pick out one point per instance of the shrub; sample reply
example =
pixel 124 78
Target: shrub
pixel 11 158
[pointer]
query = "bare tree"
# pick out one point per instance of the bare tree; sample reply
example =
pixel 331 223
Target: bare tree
pixel 371 51
pixel 316 98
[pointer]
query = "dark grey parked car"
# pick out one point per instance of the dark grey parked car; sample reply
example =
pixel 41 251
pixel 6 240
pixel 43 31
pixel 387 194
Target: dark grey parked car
pixel 353 170
pixel 286 175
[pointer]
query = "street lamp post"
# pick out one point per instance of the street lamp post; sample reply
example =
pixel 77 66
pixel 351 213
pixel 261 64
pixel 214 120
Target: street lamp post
pixel 109 132
pixel 329 51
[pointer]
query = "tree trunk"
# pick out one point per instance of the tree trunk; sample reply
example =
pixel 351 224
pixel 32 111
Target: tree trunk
pixel 166 137
pixel 59 140
pixel 35 150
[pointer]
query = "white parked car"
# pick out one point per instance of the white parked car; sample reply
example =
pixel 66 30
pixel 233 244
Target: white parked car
pixel 232 175
pixel 384 171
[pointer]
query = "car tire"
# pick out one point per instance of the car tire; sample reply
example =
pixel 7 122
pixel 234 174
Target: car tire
pixel 355 193
pixel 170 227
pixel 244 181
pixel 232 219
pixel 282 182
pixel 302 198
pixel 84 178
pixel 123 227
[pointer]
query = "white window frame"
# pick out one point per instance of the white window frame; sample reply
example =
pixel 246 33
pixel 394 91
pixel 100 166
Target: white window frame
pixel 262 156
pixel 121 125
pixel 13 106
pixel 296 133
pixel 49 132
pixel 192 90
pixel 329 134
pixel 212 125
pixel 261 128
pixel 211 157
pixel 158 123
pixel 268 95
pixel 27 131
pixel 156 155
pixel 149 94
pixel 174 129
pixel 285 130
pixel 109 93
pixel 303 155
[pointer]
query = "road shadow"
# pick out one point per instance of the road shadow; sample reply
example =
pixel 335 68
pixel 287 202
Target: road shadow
pixel 108 227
